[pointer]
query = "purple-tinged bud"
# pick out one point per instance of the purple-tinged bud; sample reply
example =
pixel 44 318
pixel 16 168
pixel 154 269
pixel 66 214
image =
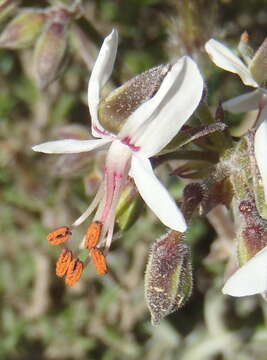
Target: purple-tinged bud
pixel 122 102
pixel 6 8
pixel 23 29
pixel 258 65
pixel 192 196
pixel 50 48
pixel 168 278
pixel 252 231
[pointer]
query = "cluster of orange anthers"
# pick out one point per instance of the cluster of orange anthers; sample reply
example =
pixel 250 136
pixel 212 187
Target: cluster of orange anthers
pixel 70 266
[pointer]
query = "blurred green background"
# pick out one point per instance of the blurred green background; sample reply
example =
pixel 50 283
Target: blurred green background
pixel 106 317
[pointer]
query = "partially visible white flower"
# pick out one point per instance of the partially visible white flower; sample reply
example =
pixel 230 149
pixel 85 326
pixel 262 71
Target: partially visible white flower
pixel 249 279
pixel 146 131
pixel 227 60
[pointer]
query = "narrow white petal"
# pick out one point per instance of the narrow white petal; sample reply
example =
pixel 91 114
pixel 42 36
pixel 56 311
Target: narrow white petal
pixel 69 146
pixel 250 279
pixel 158 120
pixel 101 72
pixel 243 103
pixel 260 147
pixel 227 60
pixel 155 194
pixel 178 105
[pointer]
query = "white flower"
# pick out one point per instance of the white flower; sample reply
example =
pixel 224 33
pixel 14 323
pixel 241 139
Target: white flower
pixel 250 279
pixel 146 131
pixel 227 60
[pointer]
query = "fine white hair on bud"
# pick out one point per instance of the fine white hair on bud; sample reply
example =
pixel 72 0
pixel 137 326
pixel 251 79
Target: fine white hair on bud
pixel 168 278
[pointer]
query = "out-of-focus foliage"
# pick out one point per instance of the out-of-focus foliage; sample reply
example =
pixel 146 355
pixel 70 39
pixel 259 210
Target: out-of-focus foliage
pixel 106 317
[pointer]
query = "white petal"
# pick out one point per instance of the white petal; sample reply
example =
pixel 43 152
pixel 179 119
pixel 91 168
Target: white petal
pixel 69 146
pixel 243 103
pixel 158 120
pixel 101 72
pixel 155 194
pixel 250 279
pixel 227 60
pixel 260 148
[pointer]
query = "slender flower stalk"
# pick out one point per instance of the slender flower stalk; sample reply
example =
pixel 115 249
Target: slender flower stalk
pixel 146 131
pixel 223 57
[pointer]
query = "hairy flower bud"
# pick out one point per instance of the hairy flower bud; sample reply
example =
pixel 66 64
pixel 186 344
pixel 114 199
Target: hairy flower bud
pixel 252 231
pixel 50 49
pixel 258 65
pixel 23 29
pixel 122 102
pixel 192 196
pixel 168 278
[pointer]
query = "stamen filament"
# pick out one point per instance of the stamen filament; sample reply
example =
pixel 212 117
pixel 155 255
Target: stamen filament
pixel 90 208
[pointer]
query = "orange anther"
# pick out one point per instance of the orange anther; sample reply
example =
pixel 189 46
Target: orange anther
pixel 92 235
pixel 63 262
pixel 244 37
pixel 59 235
pixel 74 272
pixel 100 261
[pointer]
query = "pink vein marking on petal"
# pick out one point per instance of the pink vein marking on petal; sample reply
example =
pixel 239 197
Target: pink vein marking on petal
pixel 101 132
pixel 127 141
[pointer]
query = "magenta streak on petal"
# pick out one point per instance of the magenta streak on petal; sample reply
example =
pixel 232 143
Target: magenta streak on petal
pixel 110 221
pixel 101 132
pixel 127 141
pixel 114 184
pixel 109 191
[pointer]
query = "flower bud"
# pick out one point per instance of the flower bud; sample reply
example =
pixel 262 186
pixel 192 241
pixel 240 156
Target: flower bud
pixel 50 49
pixel 23 29
pixel 252 231
pixel 130 208
pixel 6 8
pixel 168 278
pixel 192 196
pixel 258 65
pixel 122 102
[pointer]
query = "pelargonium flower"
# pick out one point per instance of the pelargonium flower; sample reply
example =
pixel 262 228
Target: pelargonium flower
pixel 223 57
pixel 145 132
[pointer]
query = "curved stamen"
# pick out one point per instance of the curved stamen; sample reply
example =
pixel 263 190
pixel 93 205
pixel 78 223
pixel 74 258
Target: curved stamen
pixel 90 208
